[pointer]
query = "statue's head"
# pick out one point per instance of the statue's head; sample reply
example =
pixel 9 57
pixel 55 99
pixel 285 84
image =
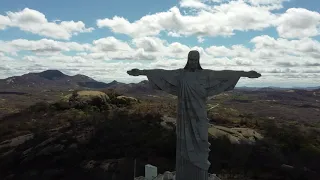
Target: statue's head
pixel 193 62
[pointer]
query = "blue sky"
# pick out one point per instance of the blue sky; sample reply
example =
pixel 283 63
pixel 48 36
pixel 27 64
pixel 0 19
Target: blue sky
pixel 247 30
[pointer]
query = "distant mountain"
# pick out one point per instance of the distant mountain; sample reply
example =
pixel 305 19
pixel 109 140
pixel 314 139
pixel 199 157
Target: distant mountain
pixel 266 89
pixel 275 88
pixel 53 80
pixel 52 74
pixel 50 80
pixel 246 88
pixel 308 88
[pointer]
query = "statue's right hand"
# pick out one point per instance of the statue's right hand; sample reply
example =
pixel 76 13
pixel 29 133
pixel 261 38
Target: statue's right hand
pixel 134 72
pixel 253 74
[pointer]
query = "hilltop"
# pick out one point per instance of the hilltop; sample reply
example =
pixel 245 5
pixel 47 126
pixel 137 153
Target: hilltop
pixel 48 131
pixel 97 135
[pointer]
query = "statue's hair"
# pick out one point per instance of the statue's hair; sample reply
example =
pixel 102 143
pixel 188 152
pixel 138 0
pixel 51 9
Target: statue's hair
pixel 189 54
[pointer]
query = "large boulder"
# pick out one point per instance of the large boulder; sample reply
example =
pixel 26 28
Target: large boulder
pixel 83 98
pixel 235 135
pixel 126 100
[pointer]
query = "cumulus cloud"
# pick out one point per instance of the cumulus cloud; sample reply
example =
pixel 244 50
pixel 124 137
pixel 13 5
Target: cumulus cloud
pixel 198 4
pixel 44 46
pixel 4 22
pixel 110 44
pixel 36 22
pixel 234 51
pixel 221 20
pixel 200 39
pixel 177 47
pixel 283 63
pixel 152 44
pixel 298 23
pixel 265 2
pixel 277 47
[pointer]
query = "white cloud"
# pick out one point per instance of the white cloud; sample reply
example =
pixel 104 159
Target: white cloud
pixel 173 34
pixel 265 2
pixel 96 56
pixel 200 39
pixel 277 47
pixel 144 27
pixel 110 48
pixel 5 48
pixel 177 47
pixel 298 23
pixel 43 46
pixel 140 54
pixel 235 56
pixel 235 51
pixel 152 44
pixel 110 44
pixel 282 63
pixel 218 51
pixel 267 52
pixel 35 22
pixel 221 20
pixel 176 50
pixel 193 4
pixel 4 21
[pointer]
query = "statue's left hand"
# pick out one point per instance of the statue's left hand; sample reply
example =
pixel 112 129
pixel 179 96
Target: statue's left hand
pixel 253 74
pixel 134 72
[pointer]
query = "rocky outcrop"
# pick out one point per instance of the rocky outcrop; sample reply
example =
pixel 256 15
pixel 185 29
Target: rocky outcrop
pixel 16 141
pixel 83 98
pixel 126 100
pixel 8 146
pixel 235 135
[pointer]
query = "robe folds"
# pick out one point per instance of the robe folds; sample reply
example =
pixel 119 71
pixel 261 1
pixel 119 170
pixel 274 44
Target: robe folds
pixel 192 89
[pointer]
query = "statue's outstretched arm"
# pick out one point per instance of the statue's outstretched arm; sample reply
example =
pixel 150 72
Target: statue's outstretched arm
pixel 160 79
pixel 139 72
pixel 144 72
pixel 226 74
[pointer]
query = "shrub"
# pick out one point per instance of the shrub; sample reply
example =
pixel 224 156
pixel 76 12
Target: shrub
pixel 61 105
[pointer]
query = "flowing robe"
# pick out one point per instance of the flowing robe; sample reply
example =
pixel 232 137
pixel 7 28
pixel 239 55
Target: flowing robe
pixel 192 89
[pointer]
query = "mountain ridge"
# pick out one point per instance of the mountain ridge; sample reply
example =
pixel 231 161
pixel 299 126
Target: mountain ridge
pixel 58 80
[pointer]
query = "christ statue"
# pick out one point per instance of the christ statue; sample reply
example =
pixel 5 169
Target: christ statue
pixel 192 85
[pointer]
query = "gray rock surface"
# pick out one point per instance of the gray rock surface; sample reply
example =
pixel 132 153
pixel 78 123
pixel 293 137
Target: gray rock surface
pixel 235 135
pixel 87 97
pixel 16 141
